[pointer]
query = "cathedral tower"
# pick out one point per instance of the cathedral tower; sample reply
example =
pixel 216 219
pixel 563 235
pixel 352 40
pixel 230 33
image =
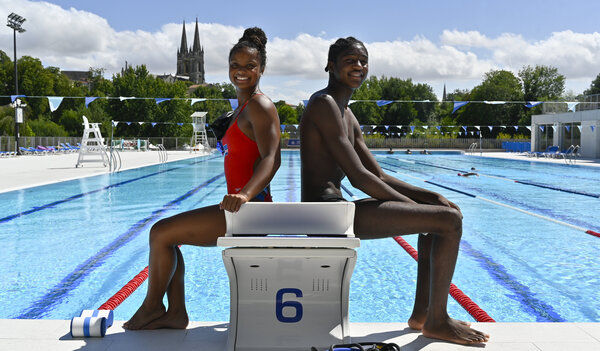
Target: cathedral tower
pixel 190 62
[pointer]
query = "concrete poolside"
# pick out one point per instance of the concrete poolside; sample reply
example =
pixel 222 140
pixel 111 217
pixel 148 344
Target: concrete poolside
pixel 27 171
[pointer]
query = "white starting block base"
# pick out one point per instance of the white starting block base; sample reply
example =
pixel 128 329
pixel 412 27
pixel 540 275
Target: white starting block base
pixel 289 293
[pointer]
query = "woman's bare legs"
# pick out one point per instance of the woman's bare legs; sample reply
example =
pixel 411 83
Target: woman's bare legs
pixel 200 227
pixel 379 219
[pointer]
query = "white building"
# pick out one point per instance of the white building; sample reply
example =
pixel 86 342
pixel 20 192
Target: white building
pixel 569 128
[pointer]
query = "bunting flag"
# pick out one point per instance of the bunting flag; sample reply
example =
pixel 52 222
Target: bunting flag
pixel 89 99
pixel 459 104
pixel 567 127
pixel 54 102
pixel 554 129
pixel 383 102
pixel 542 128
pixel 591 127
pixel 305 102
pixel 128 123
pixel 179 124
pixel 349 102
pixel 295 126
pixel 140 123
pixel 528 127
pixel 159 100
pixel 478 127
pixel 196 100
pixel 387 127
pixel 233 103
pixel 490 128
pixel 122 98
pixel 425 127
pixel 154 123
pixel 14 97
pixel 465 128
pixel 282 127
pixel 531 104
pixel 495 102
pixel 516 128
pixel 412 129
pixel 571 106
pixel 438 127
pixel 115 123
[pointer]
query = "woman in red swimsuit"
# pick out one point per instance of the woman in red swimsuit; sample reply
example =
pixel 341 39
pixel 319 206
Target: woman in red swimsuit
pixel 252 144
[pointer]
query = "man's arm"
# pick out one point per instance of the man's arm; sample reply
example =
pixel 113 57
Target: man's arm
pixel 326 116
pixel 415 193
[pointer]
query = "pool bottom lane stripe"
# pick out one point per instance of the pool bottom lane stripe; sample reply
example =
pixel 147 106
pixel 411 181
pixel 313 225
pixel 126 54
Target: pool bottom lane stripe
pixel 572 226
pixel 73 279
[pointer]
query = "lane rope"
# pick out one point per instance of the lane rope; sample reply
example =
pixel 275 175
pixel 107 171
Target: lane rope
pixel 465 301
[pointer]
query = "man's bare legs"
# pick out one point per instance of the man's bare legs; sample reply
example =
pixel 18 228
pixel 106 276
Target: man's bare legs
pixel 378 219
pixel 200 227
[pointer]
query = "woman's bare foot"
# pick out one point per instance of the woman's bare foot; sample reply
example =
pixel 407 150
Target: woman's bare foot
pixel 143 316
pixel 170 320
pixel 454 331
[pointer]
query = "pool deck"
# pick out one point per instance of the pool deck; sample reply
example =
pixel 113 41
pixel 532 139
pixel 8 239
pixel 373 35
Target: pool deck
pixel 19 334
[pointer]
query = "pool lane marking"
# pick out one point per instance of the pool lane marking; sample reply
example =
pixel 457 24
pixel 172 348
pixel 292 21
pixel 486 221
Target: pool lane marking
pixel 73 279
pixel 539 185
pixel 78 196
pixel 572 226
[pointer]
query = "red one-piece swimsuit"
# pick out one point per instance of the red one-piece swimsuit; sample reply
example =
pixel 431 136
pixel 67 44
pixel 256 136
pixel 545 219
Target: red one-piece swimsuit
pixel 241 153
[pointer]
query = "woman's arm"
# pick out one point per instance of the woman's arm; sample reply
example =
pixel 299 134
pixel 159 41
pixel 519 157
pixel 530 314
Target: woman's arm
pixel 264 123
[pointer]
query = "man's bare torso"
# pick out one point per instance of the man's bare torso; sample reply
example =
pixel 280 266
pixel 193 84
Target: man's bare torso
pixel 321 175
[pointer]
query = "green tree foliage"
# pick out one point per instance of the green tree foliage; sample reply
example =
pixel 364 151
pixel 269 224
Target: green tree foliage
pixel 287 114
pixel 541 83
pixel 497 85
pixel 395 113
pixel 594 87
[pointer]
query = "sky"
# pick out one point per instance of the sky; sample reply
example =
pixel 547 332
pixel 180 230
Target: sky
pixel 452 43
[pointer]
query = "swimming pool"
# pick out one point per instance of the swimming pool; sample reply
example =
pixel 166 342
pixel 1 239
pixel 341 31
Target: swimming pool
pixel 70 246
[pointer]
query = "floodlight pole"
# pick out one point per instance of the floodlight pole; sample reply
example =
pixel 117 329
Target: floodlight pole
pixel 15 21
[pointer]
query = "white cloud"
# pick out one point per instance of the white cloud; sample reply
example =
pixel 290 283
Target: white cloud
pixel 77 40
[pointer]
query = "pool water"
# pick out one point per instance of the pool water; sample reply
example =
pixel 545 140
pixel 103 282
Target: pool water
pixel 70 246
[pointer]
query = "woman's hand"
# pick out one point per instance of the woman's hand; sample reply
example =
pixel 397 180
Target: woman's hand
pixel 233 202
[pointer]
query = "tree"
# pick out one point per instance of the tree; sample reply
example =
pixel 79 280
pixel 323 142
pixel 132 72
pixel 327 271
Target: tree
pixel 541 83
pixel 497 85
pixel 594 87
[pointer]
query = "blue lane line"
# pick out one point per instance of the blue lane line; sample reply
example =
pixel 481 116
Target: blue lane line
pixel 78 196
pixel 539 185
pixel 521 293
pixel 73 279
pixel 291 193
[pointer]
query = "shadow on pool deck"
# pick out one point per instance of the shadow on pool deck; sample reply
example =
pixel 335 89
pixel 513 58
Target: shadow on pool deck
pixel 53 335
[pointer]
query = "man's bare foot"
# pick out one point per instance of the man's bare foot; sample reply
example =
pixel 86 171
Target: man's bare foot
pixel 143 316
pixel 416 321
pixel 170 320
pixel 454 331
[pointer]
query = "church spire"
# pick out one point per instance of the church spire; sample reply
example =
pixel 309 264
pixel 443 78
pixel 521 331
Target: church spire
pixel 183 49
pixel 444 94
pixel 196 48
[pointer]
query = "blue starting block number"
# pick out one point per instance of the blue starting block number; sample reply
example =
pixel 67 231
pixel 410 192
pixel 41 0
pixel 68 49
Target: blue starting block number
pixel 280 305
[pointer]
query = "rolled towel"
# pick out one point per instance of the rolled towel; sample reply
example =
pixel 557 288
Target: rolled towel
pixel 88 327
pixel 108 314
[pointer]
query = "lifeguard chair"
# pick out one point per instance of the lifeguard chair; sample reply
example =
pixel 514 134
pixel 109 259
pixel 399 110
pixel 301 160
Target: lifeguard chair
pixel 92 147
pixel 200 140
pixel 289 268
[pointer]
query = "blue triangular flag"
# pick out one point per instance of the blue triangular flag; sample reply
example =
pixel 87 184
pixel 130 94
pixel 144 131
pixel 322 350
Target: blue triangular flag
pixel 128 123
pixel 14 97
pixel 54 102
pixel 567 127
pixel 282 127
pixel 542 128
pixel 154 123
pixel 439 128
pixel 387 127
pixel 531 104
pixel 412 129
pixel 516 128
pixel 459 104
pixel 305 102
pixel 233 103
pixel 89 99
pixel 383 102
pixel 159 100
pixel 464 127
pixel 179 124
pixel 592 127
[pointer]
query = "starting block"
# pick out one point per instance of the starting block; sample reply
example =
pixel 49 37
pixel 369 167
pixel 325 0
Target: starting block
pixel 289 268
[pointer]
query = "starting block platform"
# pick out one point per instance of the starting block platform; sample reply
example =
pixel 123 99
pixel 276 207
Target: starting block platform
pixel 289 268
